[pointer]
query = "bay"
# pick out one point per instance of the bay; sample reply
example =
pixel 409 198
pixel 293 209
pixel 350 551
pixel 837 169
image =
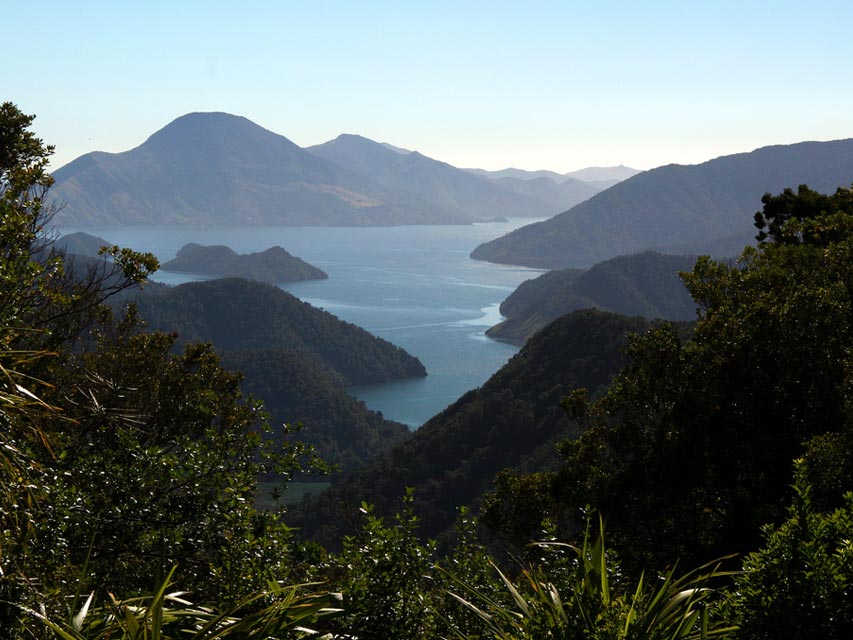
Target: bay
pixel 414 286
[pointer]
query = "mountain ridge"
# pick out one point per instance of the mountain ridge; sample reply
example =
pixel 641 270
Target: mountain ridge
pixel 673 206
pixel 447 186
pixel 217 168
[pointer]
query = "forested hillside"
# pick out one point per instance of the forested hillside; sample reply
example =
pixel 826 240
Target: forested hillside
pixel 129 463
pixel 238 314
pixel 514 418
pixel 674 207
pixel 645 284
pixel 296 390
pixel 295 358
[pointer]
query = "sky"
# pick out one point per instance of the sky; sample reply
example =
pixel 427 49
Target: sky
pixel 533 85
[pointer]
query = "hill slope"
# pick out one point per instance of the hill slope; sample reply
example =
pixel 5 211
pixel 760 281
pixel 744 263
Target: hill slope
pixel 450 188
pixel 294 357
pixel 216 168
pixel 644 284
pixel 238 314
pixel 673 206
pixel 273 265
pixel 452 459
pixel 294 389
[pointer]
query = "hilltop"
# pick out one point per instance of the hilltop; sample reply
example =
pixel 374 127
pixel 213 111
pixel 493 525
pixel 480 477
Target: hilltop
pixel 272 265
pixel 645 284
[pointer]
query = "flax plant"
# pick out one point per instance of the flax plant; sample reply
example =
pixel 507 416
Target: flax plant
pixel 673 607
pixel 281 611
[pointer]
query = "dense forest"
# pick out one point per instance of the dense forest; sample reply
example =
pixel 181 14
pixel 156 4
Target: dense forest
pixel 129 462
pixel 513 419
pixel 644 284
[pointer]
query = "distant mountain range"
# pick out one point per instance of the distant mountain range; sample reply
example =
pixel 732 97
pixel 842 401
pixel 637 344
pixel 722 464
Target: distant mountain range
pixel 590 175
pixel 221 169
pixel 216 168
pixel 273 265
pixel 644 284
pixel 451 188
pixel 700 208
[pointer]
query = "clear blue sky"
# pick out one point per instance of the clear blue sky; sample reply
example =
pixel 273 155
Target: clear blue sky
pixel 558 85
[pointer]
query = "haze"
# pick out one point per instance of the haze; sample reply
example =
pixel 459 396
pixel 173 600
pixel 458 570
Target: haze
pixel 557 85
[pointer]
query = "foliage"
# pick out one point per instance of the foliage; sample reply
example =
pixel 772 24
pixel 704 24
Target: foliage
pixel 513 419
pixel 579 600
pixel 180 448
pixel 118 457
pixel 687 452
pixel 799 583
pixel 280 611
pixel 388 579
pixel 778 211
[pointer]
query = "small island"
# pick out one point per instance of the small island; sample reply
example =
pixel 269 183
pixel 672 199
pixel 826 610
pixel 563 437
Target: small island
pixel 273 265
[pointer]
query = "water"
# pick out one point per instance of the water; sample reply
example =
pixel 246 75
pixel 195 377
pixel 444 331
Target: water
pixel 414 286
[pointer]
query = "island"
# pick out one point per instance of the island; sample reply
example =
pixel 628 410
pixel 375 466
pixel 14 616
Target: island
pixel 273 265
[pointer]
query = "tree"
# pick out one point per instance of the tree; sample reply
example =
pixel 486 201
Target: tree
pixel 772 221
pixel 118 456
pixel 798 584
pixel 687 454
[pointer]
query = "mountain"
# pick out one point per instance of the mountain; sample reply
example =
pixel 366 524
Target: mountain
pixel 513 418
pixel 520 174
pixel 558 195
pixel 273 265
pixel 237 314
pixel 295 390
pixel 294 357
pixel 81 243
pixel 216 168
pixel 603 174
pixel 595 176
pixel 644 284
pixel 449 188
pixel 674 206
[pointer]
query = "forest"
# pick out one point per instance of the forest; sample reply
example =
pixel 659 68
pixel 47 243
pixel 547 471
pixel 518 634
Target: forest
pixel 703 491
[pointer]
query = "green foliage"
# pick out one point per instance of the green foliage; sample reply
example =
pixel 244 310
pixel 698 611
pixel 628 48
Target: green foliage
pixel 118 457
pixel 782 216
pixel 513 419
pixel 280 611
pixel 388 579
pixel 687 452
pixel 168 443
pixel 575 597
pixel 799 583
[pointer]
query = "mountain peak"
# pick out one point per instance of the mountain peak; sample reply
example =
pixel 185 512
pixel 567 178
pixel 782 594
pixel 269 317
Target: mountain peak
pixel 208 126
